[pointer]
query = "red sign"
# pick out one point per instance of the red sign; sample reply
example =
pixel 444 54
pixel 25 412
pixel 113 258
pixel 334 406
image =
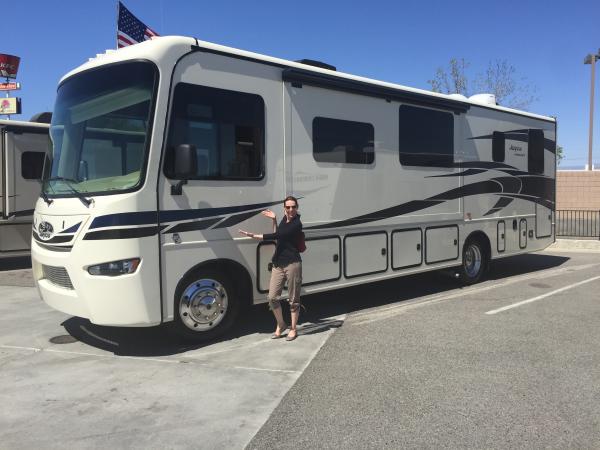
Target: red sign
pixel 9 66
pixel 10 86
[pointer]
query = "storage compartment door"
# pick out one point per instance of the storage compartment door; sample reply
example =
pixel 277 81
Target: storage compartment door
pixel 523 233
pixel 365 254
pixel 407 248
pixel 441 244
pixel 543 221
pixel 321 261
pixel 501 236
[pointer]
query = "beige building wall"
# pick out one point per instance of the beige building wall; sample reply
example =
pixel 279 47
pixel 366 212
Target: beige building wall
pixel 578 189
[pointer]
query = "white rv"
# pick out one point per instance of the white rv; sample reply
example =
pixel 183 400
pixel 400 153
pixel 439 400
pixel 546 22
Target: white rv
pixel 23 147
pixel 163 150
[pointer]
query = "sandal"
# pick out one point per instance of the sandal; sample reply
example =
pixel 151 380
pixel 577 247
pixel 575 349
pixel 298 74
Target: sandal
pixel 281 331
pixel 291 338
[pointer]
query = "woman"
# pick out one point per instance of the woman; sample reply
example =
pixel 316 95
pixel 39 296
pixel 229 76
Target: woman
pixel 287 264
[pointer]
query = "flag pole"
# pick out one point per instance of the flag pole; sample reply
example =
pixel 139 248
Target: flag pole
pixel 162 17
pixel 117 33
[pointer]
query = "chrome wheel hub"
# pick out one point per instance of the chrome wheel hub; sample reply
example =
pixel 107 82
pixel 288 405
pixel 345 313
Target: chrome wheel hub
pixel 472 262
pixel 203 305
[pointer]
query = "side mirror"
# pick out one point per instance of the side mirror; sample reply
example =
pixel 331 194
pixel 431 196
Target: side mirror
pixel 185 162
pixel 185 165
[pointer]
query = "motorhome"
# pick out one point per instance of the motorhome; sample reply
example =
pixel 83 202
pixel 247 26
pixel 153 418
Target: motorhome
pixel 23 147
pixel 163 150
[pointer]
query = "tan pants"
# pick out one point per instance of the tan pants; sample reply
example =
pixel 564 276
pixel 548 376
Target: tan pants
pixel 293 274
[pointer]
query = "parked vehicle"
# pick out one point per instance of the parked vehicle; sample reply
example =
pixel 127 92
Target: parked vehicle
pixel 162 150
pixel 23 147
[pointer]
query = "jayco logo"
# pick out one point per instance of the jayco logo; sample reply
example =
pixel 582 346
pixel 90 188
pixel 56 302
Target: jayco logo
pixel 45 230
pixel 517 151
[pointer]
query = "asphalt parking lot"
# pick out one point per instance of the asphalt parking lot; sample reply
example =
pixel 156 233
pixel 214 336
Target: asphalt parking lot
pixel 413 362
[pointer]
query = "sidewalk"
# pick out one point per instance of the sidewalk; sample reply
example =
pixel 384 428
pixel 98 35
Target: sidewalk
pixel 20 277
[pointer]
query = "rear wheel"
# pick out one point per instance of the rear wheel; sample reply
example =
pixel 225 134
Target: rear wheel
pixel 475 260
pixel 206 305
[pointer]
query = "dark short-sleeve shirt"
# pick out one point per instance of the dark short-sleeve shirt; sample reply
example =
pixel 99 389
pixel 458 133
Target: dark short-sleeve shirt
pixel 286 235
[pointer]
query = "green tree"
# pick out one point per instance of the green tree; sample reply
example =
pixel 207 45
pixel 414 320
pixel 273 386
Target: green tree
pixel 500 78
pixel 559 154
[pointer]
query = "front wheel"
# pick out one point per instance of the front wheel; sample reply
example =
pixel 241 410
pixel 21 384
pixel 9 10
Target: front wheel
pixel 206 305
pixel 475 260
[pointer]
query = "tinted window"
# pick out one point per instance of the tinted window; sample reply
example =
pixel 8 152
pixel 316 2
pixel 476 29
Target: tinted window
pixel 426 137
pixel 535 151
pixel 226 127
pixel 498 147
pixel 32 164
pixel 343 141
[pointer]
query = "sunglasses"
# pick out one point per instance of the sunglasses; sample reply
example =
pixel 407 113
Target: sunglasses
pixel 290 207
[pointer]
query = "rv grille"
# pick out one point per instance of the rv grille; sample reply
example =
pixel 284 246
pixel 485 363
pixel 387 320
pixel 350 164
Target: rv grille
pixel 58 276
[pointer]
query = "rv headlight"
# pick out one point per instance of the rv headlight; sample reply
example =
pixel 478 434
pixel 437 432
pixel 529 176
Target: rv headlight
pixel 115 268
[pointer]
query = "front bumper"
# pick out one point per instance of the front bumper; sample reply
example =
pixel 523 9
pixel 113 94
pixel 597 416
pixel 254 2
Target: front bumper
pixel 126 300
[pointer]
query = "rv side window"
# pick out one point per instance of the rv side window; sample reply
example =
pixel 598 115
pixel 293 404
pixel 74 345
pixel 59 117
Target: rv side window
pixel 426 137
pixel 343 141
pixel 498 147
pixel 535 151
pixel 32 165
pixel 227 128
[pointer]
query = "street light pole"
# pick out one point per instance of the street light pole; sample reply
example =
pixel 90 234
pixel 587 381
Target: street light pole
pixel 591 59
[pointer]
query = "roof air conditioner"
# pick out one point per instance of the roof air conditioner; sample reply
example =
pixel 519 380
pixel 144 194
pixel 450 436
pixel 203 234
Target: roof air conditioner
pixel 485 99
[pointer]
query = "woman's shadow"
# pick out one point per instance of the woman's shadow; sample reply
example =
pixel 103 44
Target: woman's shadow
pixel 162 341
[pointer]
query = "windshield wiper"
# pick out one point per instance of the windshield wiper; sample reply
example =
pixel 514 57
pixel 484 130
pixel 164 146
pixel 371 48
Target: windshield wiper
pixel 86 201
pixel 45 197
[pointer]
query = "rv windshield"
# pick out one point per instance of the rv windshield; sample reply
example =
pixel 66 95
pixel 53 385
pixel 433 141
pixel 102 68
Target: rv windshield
pixel 100 130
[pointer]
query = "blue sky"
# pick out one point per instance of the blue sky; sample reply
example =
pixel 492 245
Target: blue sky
pixel 397 41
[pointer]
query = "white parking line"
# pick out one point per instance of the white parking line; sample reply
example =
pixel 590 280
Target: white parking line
pixel 266 370
pixel 183 359
pixel 16 347
pixel 99 355
pixel 539 297
pixel 382 313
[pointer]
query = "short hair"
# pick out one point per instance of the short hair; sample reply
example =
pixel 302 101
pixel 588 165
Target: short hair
pixel 291 197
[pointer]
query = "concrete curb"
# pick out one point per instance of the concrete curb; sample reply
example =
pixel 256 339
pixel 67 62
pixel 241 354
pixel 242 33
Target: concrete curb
pixel 576 245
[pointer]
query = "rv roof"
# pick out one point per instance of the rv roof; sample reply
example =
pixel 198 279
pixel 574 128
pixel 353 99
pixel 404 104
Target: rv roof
pixel 22 123
pixel 170 48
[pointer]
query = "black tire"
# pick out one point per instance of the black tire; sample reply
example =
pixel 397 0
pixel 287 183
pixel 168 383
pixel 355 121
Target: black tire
pixel 207 305
pixel 474 261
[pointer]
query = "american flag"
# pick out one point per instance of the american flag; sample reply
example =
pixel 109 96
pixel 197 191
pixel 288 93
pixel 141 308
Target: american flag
pixel 131 30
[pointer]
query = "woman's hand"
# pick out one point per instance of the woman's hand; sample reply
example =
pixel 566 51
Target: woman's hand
pixel 268 213
pixel 246 233
pixel 252 235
